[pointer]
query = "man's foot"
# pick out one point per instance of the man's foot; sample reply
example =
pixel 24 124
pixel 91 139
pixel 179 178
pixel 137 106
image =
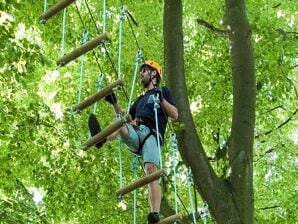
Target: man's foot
pixel 94 128
pixel 153 217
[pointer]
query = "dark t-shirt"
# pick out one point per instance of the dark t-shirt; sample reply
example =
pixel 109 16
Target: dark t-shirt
pixel 143 108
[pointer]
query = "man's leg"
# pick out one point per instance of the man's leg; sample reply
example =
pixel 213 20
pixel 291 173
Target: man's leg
pixel 94 128
pixel 154 194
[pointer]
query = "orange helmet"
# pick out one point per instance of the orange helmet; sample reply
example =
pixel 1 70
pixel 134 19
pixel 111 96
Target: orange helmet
pixel 154 65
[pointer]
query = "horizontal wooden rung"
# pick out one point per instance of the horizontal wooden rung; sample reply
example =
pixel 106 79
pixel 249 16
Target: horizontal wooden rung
pixel 141 182
pixel 97 96
pixel 106 132
pixel 54 10
pixel 83 49
pixel 170 219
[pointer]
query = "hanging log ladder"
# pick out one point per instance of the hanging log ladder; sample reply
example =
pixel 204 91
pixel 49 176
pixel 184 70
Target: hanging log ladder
pixel 54 10
pixel 106 132
pixel 140 182
pixel 97 96
pixel 83 49
pixel 170 219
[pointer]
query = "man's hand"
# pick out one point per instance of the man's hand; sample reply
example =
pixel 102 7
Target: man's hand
pixel 158 92
pixel 111 98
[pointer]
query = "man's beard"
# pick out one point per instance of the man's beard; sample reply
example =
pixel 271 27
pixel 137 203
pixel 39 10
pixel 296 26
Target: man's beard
pixel 145 83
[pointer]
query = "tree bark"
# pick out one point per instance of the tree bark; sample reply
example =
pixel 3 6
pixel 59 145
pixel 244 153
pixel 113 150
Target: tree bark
pixel 211 188
pixel 243 121
pixel 227 199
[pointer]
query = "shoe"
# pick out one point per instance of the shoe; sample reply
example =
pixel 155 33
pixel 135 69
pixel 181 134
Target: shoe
pixel 153 217
pixel 111 98
pixel 94 129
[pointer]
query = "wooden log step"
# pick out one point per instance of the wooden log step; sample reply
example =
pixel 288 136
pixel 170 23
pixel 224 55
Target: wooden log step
pixel 141 182
pixel 97 96
pixel 170 219
pixel 83 49
pixel 54 10
pixel 106 132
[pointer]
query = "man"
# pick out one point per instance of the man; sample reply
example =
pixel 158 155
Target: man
pixel 140 135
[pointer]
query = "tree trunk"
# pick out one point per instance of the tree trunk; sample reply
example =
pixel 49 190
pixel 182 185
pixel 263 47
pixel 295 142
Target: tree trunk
pixel 225 199
pixel 243 122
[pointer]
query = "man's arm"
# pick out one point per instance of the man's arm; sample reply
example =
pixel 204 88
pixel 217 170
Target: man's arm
pixel 170 109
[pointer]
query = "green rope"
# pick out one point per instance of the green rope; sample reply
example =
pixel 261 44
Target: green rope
pixel 156 106
pixel 121 18
pixel 173 142
pixel 63 32
pixel 83 40
pixel 98 87
pixel 45 5
pixel 134 167
pixel 189 178
pixel 104 16
pixel 120 163
pixel 138 59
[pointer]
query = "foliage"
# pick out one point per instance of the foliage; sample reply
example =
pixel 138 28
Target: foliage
pixel 40 138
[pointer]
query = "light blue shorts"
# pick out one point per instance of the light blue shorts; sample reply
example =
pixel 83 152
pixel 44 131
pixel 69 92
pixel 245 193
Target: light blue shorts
pixel 150 152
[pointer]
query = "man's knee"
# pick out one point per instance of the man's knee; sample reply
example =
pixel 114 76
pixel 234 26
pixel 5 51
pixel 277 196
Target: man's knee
pixel 150 168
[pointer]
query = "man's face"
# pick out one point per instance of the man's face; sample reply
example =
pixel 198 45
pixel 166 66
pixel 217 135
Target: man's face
pixel 145 76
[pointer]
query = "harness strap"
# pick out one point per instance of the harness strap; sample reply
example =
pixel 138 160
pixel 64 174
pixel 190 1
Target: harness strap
pixel 141 143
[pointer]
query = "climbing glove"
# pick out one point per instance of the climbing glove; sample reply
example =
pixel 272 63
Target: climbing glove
pixel 158 92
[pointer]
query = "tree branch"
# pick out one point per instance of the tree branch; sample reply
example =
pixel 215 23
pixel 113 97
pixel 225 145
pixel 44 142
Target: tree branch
pixel 280 125
pixel 269 207
pixel 212 28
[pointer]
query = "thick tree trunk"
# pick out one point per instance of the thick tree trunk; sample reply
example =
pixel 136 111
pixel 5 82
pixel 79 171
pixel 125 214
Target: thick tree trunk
pixel 211 188
pixel 241 150
pixel 226 201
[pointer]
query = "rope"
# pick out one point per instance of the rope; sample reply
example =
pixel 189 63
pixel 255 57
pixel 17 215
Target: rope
pixel 173 142
pixel 120 164
pixel 98 87
pixel 121 18
pixel 84 39
pixel 63 32
pixel 104 16
pixel 138 59
pixel 97 30
pixel 156 106
pixel 134 167
pixel 189 176
pixel 83 24
pixel 45 5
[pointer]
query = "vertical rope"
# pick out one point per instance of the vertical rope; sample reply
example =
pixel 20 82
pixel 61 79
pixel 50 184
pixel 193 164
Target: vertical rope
pixel 189 177
pixel 98 87
pixel 156 106
pixel 63 32
pixel 45 5
pixel 138 59
pixel 121 18
pixel 82 60
pixel 173 142
pixel 120 164
pixel 135 166
pixel 104 16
